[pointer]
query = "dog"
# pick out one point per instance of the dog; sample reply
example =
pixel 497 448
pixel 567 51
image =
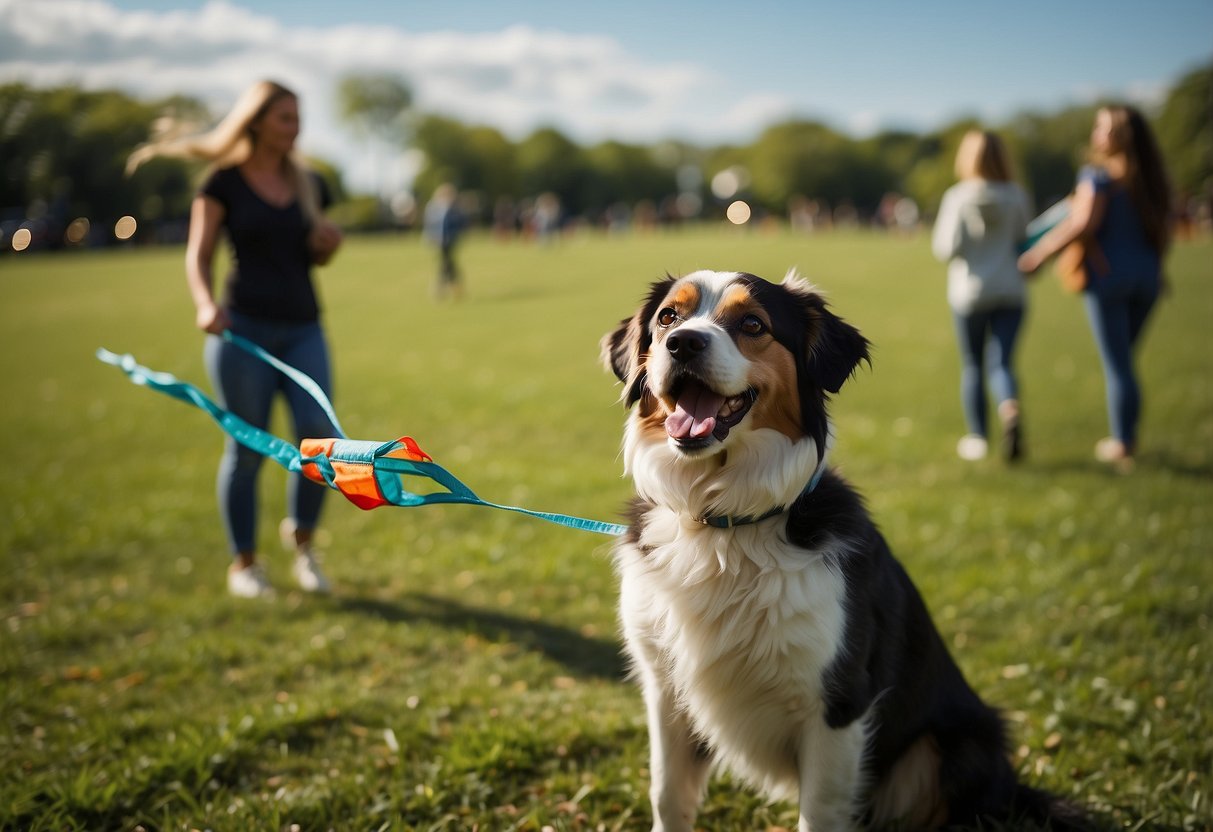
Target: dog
pixel 771 630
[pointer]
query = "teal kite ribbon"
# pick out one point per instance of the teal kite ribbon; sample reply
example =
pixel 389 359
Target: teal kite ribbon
pixel 387 470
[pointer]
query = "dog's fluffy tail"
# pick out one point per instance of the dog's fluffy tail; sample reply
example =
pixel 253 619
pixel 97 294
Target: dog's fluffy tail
pixel 1052 812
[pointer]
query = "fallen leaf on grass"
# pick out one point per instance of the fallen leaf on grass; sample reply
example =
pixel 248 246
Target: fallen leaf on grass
pixel 130 680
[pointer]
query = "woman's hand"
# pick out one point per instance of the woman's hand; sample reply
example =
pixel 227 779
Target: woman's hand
pixel 1030 261
pixel 213 319
pixel 323 241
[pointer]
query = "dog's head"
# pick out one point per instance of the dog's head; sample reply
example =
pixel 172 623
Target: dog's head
pixel 712 357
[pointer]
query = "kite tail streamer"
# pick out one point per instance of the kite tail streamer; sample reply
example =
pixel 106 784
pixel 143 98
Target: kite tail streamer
pixel 369 474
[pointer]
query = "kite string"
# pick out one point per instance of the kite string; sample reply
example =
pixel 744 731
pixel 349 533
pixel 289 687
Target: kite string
pixel 298 376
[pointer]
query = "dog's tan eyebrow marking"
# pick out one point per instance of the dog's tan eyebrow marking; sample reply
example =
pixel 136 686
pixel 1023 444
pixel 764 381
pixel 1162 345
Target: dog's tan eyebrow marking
pixel 685 298
pixel 736 302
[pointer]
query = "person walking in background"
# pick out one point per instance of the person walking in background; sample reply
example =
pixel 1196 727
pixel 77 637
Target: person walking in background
pixel 1121 209
pixel 258 191
pixel 981 220
pixel 443 227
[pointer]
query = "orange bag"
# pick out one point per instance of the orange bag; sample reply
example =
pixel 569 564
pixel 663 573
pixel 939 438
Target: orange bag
pixel 1072 268
pixel 1077 261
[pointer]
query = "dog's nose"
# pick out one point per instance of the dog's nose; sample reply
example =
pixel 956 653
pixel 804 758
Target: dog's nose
pixel 684 346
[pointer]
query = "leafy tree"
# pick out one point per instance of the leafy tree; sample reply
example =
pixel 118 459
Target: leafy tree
pixel 796 157
pixel 624 173
pixel 549 162
pixel 63 153
pixel 803 158
pixel 934 167
pixel 475 158
pixel 723 157
pixel 896 150
pixel 379 106
pixel 380 109
pixel 63 150
pixel 1050 149
pixel 1185 131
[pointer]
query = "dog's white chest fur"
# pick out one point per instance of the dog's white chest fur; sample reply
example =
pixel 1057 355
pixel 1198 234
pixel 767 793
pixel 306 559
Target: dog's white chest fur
pixel 739 626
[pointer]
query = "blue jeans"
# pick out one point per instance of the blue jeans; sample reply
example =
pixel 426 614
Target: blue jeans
pixel 997 329
pixel 1117 309
pixel 245 385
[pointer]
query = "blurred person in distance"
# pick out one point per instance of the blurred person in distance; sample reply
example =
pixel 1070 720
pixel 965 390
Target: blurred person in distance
pixel 443 227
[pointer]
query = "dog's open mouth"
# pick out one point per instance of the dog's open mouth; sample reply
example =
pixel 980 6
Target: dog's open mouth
pixel 701 414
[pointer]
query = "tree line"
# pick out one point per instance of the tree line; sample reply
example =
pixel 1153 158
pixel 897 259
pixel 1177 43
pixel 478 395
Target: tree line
pixel 63 151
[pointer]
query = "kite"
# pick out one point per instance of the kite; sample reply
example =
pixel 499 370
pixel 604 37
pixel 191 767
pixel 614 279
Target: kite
pixel 368 473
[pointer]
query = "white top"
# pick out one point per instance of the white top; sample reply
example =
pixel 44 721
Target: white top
pixel 978 229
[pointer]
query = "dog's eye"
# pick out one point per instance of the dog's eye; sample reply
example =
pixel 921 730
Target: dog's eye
pixel 752 325
pixel 667 316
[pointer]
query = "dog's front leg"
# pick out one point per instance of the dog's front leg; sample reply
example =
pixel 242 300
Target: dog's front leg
pixel 831 774
pixel 678 764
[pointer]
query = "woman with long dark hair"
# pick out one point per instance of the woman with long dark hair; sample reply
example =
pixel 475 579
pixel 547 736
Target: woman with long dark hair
pixel 1122 208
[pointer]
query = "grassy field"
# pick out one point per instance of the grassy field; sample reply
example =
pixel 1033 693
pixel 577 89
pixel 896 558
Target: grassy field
pixel 466 674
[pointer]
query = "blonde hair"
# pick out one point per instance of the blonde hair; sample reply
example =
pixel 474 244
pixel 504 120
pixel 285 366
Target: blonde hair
pixel 982 155
pixel 230 142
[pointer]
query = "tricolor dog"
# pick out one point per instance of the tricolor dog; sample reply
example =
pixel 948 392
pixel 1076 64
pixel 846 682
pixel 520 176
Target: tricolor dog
pixel 770 627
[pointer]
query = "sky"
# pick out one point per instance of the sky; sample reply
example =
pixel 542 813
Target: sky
pixel 702 71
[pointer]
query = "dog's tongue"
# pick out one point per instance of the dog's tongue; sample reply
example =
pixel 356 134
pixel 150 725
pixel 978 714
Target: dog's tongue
pixel 694 415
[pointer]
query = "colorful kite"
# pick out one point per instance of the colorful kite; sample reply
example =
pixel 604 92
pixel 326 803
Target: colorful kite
pixel 367 473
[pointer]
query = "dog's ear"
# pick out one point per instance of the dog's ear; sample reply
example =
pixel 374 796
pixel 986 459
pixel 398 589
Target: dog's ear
pixel 625 348
pixel 835 350
pixel 619 348
pixel 834 347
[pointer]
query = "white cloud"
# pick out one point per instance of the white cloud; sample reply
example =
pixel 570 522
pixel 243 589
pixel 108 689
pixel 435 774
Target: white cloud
pixel 1147 94
pixel 864 122
pixel 515 79
pixel 755 111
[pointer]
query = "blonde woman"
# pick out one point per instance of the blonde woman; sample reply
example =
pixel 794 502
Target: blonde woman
pixel 259 194
pixel 981 221
pixel 1121 203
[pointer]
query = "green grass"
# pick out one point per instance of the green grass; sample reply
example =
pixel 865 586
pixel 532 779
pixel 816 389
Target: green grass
pixel 466 674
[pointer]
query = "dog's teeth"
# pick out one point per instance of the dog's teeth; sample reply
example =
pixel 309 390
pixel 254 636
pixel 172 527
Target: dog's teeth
pixel 731 406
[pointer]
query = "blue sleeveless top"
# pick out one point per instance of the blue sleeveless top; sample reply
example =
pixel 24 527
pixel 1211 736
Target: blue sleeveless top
pixel 1121 235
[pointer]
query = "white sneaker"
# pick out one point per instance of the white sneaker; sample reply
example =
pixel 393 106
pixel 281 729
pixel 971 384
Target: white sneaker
pixel 249 582
pixel 286 533
pixel 308 574
pixel 972 447
pixel 1115 453
pixel 1111 449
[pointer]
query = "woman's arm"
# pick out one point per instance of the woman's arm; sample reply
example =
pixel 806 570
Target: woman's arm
pixel 323 241
pixel 325 237
pixel 1087 208
pixel 206 216
pixel 946 238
